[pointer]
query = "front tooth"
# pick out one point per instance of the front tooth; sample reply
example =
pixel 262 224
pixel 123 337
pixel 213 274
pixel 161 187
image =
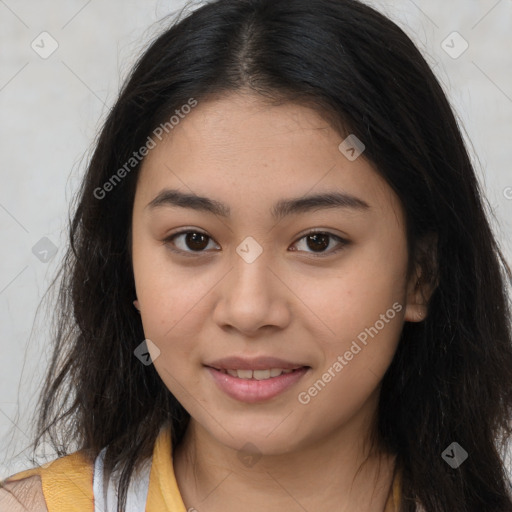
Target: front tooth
pixel 244 374
pixel 261 374
pixel 275 372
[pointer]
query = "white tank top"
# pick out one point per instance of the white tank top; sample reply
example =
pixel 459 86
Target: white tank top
pixel 105 497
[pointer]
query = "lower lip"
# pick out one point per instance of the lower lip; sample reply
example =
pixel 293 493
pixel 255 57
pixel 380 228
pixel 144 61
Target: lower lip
pixel 252 390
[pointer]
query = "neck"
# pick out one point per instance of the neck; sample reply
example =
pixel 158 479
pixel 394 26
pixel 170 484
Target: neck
pixel 332 473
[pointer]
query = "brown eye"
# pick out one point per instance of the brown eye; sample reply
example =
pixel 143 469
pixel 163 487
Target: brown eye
pixel 318 242
pixel 188 241
pixel 196 241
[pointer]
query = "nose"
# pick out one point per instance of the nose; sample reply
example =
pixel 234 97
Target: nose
pixel 252 297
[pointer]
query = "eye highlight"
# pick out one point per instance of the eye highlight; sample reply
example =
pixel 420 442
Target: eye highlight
pixel 194 242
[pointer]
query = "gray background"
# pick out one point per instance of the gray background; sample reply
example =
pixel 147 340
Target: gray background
pixel 51 109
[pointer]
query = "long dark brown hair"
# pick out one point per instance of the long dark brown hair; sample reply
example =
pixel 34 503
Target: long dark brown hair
pixel 451 377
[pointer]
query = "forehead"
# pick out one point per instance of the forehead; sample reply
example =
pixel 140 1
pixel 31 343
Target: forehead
pixel 242 151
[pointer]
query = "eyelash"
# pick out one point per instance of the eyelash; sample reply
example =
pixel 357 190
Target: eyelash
pixel 169 240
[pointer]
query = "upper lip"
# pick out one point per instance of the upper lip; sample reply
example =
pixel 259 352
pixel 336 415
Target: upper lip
pixel 256 363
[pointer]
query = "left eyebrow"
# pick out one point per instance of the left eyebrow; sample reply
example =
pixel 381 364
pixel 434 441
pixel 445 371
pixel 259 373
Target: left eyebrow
pixel 283 208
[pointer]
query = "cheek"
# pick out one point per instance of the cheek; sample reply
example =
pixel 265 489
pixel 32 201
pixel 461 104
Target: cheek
pixel 353 365
pixel 167 292
pixel 175 304
pixel 170 302
pixel 172 314
pixel 344 301
pixel 363 307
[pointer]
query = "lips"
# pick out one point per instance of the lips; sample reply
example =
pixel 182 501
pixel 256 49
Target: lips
pixel 256 379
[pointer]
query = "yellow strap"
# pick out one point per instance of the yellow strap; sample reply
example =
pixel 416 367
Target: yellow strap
pixel 163 493
pixel 66 483
pixel 393 503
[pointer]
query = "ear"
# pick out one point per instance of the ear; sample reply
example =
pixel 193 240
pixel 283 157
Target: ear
pixel 422 283
pixel 136 304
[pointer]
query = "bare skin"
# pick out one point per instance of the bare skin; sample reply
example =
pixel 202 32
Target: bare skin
pixel 293 302
pixel 24 495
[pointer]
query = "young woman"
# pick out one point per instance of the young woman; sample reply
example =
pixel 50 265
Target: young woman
pixel 282 291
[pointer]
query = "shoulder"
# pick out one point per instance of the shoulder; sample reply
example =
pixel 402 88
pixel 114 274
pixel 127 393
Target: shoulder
pixel 25 495
pixel 63 484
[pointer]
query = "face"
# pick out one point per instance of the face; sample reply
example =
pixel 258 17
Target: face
pixel 256 276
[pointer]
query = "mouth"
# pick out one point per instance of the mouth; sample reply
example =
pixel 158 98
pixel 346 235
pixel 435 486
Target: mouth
pixel 256 385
